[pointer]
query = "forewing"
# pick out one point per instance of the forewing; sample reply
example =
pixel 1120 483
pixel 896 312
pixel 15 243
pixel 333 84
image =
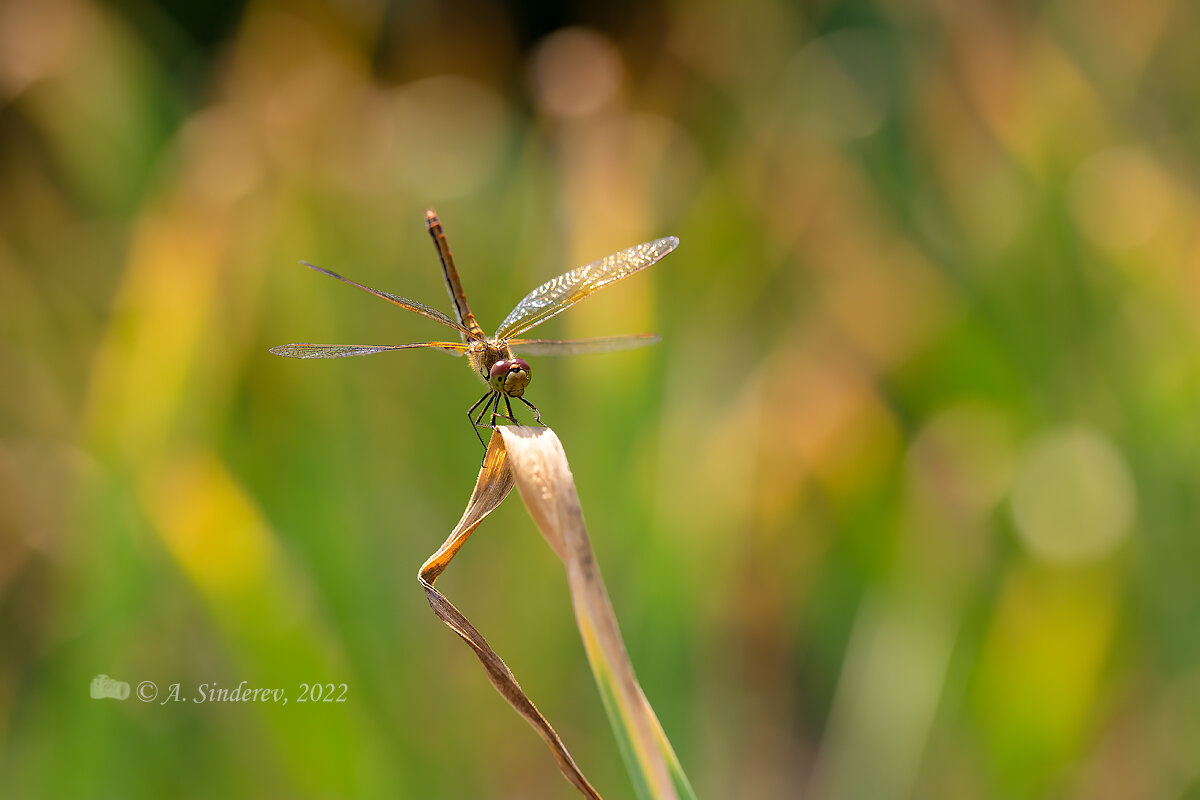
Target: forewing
pixel 347 350
pixel 569 288
pixel 403 302
pixel 574 347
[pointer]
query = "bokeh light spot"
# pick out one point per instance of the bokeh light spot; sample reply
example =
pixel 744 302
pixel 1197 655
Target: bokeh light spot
pixel 839 85
pixel 1074 497
pixel 39 39
pixel 961 461
pixel 1120 198
pixel 575 72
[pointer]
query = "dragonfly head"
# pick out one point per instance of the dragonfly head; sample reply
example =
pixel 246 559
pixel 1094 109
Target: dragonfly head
pixel 510 376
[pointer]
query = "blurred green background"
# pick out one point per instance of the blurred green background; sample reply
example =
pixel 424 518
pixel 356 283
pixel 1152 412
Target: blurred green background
pixel 905 504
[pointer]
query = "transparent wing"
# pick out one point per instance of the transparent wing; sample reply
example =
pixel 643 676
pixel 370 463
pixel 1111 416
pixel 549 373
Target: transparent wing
pixel 569 288
pixel 346 350
pixel 574 347
pixel 403 302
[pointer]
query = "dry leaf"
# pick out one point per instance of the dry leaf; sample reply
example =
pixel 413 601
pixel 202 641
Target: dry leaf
pixel 534 461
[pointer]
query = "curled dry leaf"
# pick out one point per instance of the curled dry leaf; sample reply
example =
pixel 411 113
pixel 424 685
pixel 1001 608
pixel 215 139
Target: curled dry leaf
pixel 493 485
pixel 533 460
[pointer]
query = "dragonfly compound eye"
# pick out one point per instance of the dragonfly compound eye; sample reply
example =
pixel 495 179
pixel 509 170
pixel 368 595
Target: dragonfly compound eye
pixel 510 376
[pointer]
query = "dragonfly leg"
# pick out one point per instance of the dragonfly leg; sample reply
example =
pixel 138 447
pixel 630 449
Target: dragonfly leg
pixel 476 422
pixel 510 416
pixel 496 409
pixel 483 411
pixel 537 415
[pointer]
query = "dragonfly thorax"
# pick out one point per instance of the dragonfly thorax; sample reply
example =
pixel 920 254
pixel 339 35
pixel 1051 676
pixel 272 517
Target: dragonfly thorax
pixel 483 354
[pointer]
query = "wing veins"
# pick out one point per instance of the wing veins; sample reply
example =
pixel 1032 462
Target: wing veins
pixel 558 294
pixel 571 347
pixel 403 302
pixel 302 350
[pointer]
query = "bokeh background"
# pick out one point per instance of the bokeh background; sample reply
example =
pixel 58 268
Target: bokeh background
pixel 905 504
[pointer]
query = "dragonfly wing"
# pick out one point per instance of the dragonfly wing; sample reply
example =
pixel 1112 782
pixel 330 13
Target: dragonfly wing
pixel 574 347
pixel 569 288
pixel 403 302
pixel 346 350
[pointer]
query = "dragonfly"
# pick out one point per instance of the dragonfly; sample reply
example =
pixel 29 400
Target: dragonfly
pixel 494 358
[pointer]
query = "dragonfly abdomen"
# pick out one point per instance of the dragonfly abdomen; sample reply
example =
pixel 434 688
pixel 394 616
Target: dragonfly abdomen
pixel 453 283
